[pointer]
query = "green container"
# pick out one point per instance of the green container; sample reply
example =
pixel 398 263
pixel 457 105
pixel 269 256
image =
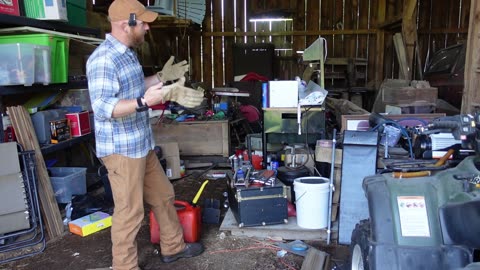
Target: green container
pixel 59 49
pixel 77 12
pixel 34 9
pixel 46 9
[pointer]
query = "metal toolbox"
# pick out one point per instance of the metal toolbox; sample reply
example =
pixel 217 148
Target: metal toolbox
pixel 258 206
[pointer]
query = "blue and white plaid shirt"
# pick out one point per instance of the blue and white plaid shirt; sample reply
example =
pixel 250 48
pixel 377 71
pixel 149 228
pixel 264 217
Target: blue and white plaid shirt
pixel 114 73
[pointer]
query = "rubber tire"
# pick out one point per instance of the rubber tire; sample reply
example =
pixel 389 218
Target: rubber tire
pixel 359 246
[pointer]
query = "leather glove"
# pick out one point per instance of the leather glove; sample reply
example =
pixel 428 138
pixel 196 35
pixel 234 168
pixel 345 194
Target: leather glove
pixel 172 72
pixel 187 97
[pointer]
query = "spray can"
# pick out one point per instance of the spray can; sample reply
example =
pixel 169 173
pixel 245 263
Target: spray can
pixel 235 163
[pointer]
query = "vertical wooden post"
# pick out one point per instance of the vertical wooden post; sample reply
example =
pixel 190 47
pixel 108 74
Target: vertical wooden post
pixel 207 45
pixel 228 26
pixel 217 44
pixel 409 32
pixel 471 93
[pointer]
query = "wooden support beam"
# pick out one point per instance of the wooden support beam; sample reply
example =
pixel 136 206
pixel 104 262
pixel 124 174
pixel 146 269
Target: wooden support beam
pixel 207 46
pixel 409 32
pixel 292 33
pixel 217 44
pixel 380 45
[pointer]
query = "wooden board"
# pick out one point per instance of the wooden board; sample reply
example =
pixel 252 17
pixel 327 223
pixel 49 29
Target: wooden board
pixel 197 138
pixel 289 231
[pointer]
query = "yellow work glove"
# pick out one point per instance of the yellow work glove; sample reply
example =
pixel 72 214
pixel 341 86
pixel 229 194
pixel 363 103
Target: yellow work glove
pixel 172 72
pixel 187 97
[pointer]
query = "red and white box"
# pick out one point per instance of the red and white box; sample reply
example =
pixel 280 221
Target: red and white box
pixel 79 123
pixel 10 7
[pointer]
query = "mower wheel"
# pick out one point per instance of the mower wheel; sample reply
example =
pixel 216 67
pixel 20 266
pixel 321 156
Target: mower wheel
pixel 359 246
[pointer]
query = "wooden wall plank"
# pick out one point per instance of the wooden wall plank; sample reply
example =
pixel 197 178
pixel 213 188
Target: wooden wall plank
pixel 312 19
pixel 195 59
pixel 207 46
pixel 240 20
pixel 471 95
pixel 217 44
pixel 229 41
pixel 380 45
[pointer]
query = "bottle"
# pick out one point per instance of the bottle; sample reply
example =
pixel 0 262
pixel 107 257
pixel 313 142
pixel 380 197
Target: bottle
pixel 182 168
pixel 240 175
pixel 235 163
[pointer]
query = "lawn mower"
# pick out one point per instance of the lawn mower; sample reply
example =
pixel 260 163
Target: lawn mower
pixel 426 218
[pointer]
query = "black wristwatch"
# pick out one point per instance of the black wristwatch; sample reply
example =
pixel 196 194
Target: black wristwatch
pixel 141 107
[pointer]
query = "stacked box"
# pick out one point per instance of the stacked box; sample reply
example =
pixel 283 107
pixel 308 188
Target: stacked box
pixel 59 52
pixel 46 9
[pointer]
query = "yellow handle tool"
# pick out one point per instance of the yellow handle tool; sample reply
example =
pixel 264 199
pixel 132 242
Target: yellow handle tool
pixel 199 192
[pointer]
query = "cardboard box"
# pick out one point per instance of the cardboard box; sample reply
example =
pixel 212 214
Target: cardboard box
pixel 59 131
pixel 10 7
pixel 79 123
pixel 283 94
pixel 171 154
pixel 91 223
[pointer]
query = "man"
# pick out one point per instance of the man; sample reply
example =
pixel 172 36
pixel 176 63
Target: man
pixel 120 96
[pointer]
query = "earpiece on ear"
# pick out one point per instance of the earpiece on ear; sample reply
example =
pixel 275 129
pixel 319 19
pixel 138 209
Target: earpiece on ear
pixel 132 20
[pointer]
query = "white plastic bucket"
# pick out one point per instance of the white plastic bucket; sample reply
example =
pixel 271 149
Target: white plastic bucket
pixel 311 195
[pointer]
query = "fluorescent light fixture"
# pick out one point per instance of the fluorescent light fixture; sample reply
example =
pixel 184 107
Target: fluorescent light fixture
pixel 299 52
pixel 271 20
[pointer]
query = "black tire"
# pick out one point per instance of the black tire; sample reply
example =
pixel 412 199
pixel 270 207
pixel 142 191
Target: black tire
pixel 359 246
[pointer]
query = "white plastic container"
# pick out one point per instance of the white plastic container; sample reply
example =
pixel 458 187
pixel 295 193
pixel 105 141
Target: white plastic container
pixel 24 64
pixel 311 195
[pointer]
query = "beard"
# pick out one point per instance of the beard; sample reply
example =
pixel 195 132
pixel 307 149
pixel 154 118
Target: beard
pixel 137 39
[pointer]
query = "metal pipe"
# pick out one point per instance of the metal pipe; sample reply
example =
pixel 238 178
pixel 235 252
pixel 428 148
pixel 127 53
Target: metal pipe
pixel 331 188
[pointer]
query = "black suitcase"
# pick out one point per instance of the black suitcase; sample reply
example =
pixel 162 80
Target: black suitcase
pixel 258 206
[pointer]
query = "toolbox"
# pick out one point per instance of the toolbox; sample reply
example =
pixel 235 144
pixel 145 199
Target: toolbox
pixel 258 206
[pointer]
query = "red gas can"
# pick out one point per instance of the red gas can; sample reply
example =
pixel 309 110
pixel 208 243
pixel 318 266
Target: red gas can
pixel 190 219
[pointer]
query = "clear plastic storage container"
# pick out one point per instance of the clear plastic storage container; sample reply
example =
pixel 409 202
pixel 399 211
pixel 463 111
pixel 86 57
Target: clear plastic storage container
pixel 24 64
pixel 68 181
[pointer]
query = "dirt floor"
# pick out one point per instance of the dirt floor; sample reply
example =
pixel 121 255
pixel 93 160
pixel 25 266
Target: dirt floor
pixel 223 251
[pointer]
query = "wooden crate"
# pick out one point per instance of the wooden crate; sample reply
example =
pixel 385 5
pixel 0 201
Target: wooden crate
pixel 196 138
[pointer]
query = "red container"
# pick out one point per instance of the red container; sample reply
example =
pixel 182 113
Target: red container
pixel 10 8
pixel 190 219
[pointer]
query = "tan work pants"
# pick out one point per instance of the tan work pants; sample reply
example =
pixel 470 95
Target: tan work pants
pixel 133 181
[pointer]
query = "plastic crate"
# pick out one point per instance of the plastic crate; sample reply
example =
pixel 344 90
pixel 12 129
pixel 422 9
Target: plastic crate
pixel 59 51
pixel 68 181
pixel 24 64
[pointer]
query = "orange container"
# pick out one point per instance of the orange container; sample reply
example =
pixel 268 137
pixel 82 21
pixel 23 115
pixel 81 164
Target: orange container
pixel 190 219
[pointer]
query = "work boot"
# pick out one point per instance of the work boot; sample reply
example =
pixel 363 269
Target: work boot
pixel 190 250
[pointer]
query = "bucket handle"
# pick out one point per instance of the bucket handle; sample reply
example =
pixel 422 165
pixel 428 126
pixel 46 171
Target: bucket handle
pixel 303 194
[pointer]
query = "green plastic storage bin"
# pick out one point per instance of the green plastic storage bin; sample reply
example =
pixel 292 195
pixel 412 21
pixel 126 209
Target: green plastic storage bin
pixel 46 9
pixel 59 49
pixel 77 12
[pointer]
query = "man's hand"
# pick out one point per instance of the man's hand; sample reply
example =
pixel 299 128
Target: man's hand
pixel 172 72
pixel 187 97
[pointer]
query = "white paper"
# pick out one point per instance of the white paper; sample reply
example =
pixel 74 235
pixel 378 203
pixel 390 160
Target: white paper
pixel 413 216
